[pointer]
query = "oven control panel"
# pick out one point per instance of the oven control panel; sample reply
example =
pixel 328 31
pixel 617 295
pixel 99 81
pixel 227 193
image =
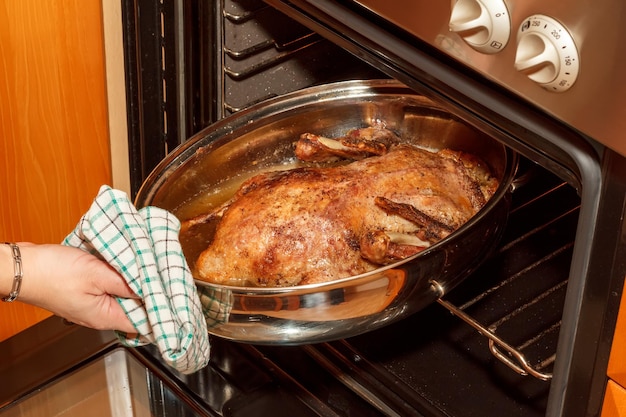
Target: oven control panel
pixel 545 51
pixel 566 57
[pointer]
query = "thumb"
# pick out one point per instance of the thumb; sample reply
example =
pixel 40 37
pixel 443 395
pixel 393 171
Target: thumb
pixel 120 288
pixel 114 284
pixel 119 320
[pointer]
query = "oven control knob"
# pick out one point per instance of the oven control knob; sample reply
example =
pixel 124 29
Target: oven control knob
pixel 484 24
pixel 546 53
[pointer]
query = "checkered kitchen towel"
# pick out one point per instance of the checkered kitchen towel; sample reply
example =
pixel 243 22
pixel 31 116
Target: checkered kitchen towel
pixel 142 245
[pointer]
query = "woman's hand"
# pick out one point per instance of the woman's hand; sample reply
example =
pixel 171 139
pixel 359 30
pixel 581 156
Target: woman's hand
pixel 72 284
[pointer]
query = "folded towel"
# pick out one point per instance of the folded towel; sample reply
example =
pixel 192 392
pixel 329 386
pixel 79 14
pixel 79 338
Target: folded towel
pixel 143 246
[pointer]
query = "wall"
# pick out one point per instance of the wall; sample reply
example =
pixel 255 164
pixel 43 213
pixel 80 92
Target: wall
pixel 54 143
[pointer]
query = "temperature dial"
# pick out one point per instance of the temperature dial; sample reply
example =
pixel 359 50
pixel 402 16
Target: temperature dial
pixel 484 24
pixel 546 53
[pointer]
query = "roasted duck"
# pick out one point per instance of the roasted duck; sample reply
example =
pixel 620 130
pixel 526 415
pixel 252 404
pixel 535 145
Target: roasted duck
pixel 321 223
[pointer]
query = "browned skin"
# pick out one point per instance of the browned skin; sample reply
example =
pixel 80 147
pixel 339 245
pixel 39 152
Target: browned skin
pixel 317 224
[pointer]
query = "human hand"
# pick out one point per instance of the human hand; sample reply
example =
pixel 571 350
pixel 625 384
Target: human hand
pixel 75 285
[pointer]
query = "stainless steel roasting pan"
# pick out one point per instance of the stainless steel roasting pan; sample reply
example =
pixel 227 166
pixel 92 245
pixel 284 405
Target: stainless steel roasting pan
pixel 199 173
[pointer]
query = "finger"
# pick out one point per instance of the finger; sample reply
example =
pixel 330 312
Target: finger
pixel 114 284
pixel 119 320
pixel 120 288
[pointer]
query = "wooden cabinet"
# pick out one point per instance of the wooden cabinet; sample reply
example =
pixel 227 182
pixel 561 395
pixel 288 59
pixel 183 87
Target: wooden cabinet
pixel 615 398
pixel 54 131
pixel 614 401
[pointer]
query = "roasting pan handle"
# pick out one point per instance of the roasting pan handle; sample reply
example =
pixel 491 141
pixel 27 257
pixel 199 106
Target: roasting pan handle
pixel 496 344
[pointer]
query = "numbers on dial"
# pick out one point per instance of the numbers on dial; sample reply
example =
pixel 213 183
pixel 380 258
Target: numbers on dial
pixel 547 54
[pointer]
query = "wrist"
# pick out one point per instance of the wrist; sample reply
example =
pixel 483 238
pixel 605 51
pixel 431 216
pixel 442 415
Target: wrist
pixel 31 288
pixel 16 282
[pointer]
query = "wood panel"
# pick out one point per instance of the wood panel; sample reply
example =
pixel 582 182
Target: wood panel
pixel 614 404
pixel 54 149
pixel 615 396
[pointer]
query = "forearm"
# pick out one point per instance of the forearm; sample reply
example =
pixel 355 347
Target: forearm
pixel 45 269
pixel 47 272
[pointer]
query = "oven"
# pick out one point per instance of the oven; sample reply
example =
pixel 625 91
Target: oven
pixel 528 333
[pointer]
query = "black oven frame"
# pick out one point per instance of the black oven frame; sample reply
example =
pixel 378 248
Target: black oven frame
pixel 165 73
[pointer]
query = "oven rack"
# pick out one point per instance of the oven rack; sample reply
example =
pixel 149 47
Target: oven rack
pixel 531 351
pixel 265 54
pixel 510 355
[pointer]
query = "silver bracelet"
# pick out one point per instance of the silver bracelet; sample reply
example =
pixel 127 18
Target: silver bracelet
pixel 17 274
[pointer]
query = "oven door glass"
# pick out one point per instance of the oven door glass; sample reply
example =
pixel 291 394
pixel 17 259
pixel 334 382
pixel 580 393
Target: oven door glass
pixel 116 384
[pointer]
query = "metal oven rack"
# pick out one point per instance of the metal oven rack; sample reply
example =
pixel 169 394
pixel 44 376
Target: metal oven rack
pixel 264 55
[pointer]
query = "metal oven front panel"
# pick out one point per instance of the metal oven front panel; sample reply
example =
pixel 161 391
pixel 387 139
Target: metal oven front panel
pixel 580 84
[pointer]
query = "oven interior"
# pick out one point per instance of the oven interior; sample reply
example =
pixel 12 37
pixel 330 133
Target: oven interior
pixel 432 363
pixel 211 59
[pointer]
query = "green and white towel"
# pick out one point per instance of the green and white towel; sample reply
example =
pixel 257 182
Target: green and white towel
pixel 143 246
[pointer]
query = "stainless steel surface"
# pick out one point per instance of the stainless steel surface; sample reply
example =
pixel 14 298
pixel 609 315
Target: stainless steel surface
pixel 261 138
pixel 595 105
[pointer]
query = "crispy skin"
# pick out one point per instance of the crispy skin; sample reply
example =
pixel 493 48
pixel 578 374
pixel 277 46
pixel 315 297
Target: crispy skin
pixel 305 225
